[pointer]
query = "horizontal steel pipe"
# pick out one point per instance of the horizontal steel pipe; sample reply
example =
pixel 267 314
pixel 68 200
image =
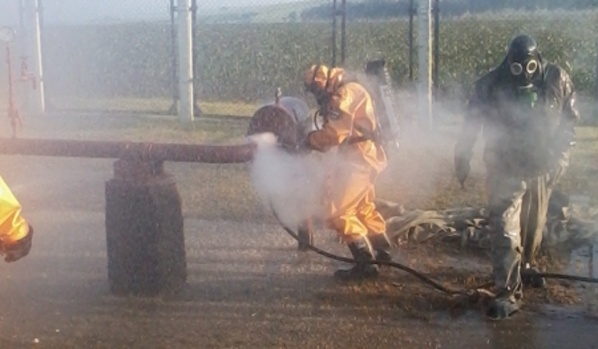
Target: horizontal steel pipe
pixel 236 153
pixel 287 118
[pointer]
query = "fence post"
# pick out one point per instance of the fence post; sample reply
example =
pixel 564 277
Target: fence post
pixel 39 57
pixel 333 33
pixel 596 77
pixel 22 24
pixel 185 49
pixel 594 274
pixel 343 31
pixel 335 13
pixel 436 39
pixel 197 112
pixel 174 60
pixel 424 85
pixel 410 36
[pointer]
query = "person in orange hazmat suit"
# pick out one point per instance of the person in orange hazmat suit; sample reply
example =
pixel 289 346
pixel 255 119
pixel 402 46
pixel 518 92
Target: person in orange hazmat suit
pixel 15 233
pixel 350 124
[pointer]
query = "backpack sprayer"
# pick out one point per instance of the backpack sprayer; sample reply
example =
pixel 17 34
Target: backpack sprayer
pixel 388 125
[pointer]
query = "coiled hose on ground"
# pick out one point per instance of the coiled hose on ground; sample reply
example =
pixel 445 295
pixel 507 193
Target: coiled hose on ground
pixel 422 277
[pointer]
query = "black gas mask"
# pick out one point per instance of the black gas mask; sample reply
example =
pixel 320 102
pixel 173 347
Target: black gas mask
pixel 523 61
pixel 322 99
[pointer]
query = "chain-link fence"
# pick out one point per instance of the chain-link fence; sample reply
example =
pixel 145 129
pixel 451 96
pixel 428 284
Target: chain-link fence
pixel 121 54
pixel 9 16
pixel 107 55
pixel 472 43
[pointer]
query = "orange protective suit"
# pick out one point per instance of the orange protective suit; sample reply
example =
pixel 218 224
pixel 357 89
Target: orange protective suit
pixel 350 124
pixel 15 232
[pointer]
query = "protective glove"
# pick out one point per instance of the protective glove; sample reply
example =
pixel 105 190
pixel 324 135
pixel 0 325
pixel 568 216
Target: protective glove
pixel 556 173
pixel 462 168
pixel 19 249
pixel 303 146
pixel 561 148
pixel 567 139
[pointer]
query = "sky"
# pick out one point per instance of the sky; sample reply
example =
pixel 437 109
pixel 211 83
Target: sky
pixel 77 11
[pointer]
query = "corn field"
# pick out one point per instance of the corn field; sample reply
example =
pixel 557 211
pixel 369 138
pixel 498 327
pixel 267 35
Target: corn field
pixel 244 62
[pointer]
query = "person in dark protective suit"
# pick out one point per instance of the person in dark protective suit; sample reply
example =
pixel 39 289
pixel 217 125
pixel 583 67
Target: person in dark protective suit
pixel 526 108
pixel 350 126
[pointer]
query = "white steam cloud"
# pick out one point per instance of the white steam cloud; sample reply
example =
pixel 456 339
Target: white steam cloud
pixel 292 185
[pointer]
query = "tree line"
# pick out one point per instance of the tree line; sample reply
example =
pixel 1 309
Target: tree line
pixel 385 9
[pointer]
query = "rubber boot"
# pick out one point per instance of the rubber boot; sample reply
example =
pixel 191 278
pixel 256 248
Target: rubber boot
pixel 503 306
pixel 305 235
pixel 530 277
pixel 381 246
pixel 362 269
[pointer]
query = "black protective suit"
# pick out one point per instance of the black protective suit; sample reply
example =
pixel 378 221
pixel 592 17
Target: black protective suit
pixel 527 112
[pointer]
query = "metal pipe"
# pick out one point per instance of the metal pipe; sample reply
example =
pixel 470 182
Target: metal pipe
pixel 436 39
pixel 38 56
pixel 424 86
pixel 343 31
pixel 596 77
pixel 333 33
pixel 21 18
pixel 279 119
pixel 591 268
pixel 410 39
pixel 23 37
pixel 185 46
pixel 13 112
pixel 593 273
pixel 174 59
pixel 144 151
pixel 196 109
pixel 11 92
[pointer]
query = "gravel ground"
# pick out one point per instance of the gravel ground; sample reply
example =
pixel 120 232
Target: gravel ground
pixel 248 285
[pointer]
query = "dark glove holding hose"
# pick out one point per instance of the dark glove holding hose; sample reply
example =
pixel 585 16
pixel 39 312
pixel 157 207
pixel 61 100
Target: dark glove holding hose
pixel 303 146
pixel 14 251
pixel 462 168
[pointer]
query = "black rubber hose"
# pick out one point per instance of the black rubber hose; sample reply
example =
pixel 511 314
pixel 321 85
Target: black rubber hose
pixel 421 276
pixel 411 271
pixel 567 277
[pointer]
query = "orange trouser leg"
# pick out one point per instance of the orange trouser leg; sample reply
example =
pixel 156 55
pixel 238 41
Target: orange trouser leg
pixel 354 214
pixel 369 215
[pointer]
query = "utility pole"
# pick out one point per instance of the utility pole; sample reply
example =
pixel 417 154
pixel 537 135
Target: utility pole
pixel 342 12
pixel 197 112
pixel 37 32
pixel 412 13
pixel 596 77
pixel 174 60
pixel 185 64
pixel 436 38
pixel 424 48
